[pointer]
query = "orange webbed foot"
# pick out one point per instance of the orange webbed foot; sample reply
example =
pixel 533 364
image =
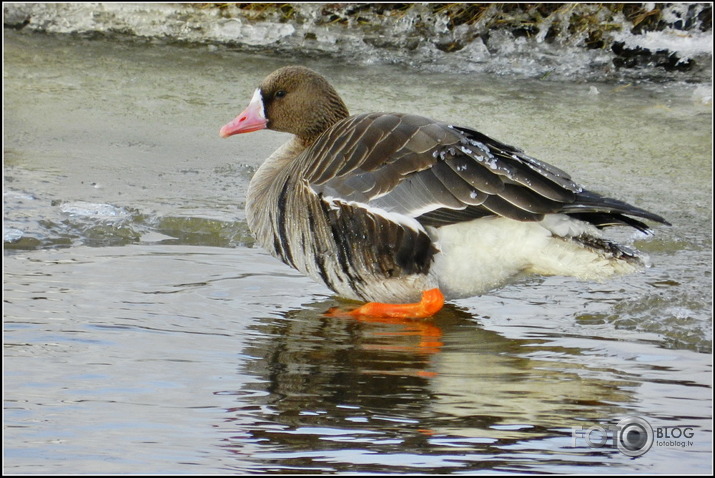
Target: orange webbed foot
pixel 431 303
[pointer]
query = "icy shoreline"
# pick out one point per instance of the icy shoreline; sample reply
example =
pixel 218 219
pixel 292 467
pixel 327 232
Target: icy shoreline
pixel 564 41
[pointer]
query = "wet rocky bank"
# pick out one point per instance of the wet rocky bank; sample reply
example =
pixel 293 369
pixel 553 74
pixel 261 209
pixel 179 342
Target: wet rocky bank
pixel 593 41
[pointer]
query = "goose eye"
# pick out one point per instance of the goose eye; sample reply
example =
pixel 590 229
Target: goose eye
pixel 280 94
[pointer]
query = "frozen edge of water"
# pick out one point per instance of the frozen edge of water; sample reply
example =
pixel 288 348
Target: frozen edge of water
pixel 419 37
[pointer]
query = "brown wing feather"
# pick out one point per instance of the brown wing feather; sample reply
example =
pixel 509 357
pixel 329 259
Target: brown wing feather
pixel 441 174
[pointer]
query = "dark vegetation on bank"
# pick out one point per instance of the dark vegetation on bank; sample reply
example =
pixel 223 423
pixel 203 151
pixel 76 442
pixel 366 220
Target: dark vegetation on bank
pixel 582 24
pixel 403 32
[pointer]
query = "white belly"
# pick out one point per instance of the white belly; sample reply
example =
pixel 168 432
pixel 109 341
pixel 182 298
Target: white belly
pixel 485 253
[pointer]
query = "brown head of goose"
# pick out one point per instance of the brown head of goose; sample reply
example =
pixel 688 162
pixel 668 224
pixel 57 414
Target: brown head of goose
pixel 393 208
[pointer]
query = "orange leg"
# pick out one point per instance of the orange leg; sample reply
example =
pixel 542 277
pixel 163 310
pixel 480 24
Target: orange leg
pixel 432 301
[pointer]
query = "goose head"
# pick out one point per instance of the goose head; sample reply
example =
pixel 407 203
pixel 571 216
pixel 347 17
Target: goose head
pixel 292 99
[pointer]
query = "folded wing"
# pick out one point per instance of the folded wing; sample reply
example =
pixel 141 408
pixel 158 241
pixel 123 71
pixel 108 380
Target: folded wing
pixel 437 174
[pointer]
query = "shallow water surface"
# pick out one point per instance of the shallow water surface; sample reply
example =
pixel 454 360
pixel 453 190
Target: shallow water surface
pixel 145 334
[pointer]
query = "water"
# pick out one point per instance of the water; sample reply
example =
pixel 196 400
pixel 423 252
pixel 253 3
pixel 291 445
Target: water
pixel 145 334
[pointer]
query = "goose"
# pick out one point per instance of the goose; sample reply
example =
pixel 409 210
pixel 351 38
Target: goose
pixel 403 212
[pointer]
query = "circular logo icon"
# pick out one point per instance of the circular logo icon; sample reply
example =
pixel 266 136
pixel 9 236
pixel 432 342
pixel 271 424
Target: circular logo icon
pixel 634 437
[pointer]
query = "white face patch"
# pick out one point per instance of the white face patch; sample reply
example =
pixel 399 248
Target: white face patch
pixel 257 103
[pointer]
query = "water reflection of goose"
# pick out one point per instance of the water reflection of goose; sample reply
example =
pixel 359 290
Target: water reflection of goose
pixel 324 383
pixel 392 208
